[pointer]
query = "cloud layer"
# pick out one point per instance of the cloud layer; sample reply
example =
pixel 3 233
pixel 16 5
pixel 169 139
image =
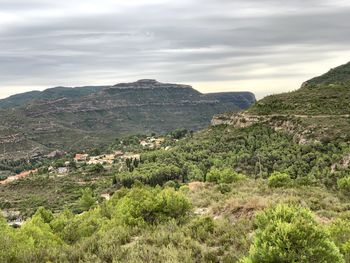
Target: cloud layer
pixel 265 46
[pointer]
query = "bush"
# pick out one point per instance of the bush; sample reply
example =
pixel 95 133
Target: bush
pixel 194 173
pixel 171 184
pixel 151 205
pixel 290 234
pixel 279 180
pixel 224 188
pixel 344 184
pixel 340 233
pixel 223 176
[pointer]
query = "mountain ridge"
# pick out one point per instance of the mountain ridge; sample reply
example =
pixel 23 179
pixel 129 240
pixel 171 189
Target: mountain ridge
pixel 79 118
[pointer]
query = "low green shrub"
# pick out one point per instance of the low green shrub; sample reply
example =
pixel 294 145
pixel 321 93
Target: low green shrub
pixel 291 234
pixel 223 176
pixel 344 184
pixel 278 179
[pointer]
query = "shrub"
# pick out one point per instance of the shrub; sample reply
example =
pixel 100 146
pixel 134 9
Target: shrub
pixel 344 184
pixel 151 205
pixel 194 173
pixel 224 188
pixel 171 184
pixel 290 234
pixel 200 228
pixel 223 176
pixel 340 233
pixel 279 180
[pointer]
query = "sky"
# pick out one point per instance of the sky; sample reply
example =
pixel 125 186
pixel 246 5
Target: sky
pixel 263 46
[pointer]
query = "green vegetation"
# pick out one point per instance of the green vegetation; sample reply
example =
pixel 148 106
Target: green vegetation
pixel 223 176
pixel 328 94
pixel 290 234
pixel 225 194
pixel 344 184
pixel 278 179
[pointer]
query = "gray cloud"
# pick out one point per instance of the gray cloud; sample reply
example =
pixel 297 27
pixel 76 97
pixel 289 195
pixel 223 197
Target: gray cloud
pixel 207 42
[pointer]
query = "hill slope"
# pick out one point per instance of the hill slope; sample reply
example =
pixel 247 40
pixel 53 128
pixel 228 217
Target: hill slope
pixel 79 118
pixel 319 110
pixel 328 94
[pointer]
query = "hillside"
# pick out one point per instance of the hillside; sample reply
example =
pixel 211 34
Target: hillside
pixel 318 111
pixel 199 201
pixel 328 94
pixel 79 118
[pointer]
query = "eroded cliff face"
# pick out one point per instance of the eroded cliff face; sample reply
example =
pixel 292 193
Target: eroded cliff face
pixel 291 124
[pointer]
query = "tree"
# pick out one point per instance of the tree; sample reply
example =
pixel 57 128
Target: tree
pixel 178 133
pixel 291 234
pixel 96 168
pixel 87 200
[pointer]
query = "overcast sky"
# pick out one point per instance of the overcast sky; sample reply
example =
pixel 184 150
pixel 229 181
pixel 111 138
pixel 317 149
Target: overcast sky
pixel 264 46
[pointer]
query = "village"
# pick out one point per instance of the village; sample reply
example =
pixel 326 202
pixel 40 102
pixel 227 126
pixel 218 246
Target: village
pixel 106 160
pixel 86 166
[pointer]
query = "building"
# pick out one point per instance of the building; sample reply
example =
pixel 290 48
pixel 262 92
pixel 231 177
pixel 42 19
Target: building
pixel 81 157
pixel 62 170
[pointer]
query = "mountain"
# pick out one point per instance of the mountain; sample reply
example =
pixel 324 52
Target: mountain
pixel 319 110
pixel 86 117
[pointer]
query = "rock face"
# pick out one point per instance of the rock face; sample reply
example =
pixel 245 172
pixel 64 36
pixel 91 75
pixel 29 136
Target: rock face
pixel 292 125
pixel 238 120
pixel 75 118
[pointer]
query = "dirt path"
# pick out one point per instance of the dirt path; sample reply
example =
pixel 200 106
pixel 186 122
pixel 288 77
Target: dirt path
pixel 18 176
pixel 309 116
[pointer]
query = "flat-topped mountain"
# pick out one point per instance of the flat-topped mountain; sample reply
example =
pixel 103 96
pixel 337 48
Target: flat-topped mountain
pixel 84 117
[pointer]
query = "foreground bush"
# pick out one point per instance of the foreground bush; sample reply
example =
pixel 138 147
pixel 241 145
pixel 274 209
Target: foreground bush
pixel 290 234
pixel 45 234
pixel 340 233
